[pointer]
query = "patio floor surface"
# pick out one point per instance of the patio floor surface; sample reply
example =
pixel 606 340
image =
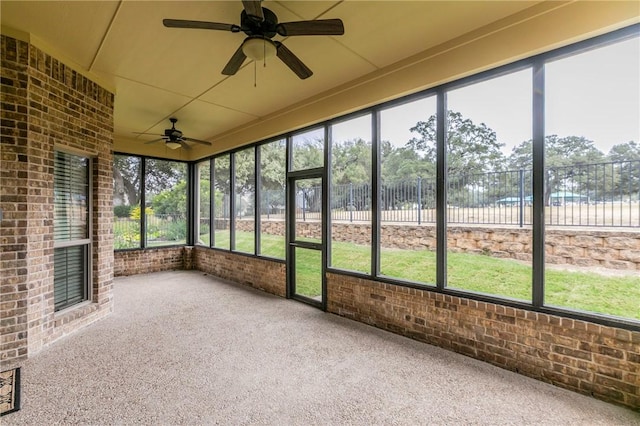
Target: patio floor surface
pixel 185 348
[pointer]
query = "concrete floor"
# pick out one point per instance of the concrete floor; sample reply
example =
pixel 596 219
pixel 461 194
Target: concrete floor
pixel 184 348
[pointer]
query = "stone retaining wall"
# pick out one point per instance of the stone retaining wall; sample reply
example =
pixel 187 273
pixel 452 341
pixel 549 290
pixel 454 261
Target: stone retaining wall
pixel 615 249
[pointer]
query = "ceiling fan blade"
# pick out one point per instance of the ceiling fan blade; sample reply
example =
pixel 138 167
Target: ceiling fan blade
pixel 235 62
pixel 318 27
pixel 154 141
pixel 203 25
pixel 197 141
pixel 253 9
pixel 184 145
pixel 292 61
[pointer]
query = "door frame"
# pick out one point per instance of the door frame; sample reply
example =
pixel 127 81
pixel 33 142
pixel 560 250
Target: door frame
pixel 291 243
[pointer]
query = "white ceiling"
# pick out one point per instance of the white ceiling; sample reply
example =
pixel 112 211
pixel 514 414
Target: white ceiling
pixel 160 72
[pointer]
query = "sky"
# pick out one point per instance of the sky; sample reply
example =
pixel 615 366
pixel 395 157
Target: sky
pixel 595 94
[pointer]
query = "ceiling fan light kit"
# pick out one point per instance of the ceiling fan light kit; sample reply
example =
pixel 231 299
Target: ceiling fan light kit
pixel 261 25
pixel 173 138
pixel 172 145
pixel 258 48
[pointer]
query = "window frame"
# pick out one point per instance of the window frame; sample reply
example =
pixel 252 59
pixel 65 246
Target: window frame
pixel 142 191
pixel 86 244
pixel 537 63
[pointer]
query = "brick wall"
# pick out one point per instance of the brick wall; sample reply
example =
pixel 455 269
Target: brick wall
pixel 132 262
pixel 581 356
pixel 263 274
pixel 47 105
pixel 584 357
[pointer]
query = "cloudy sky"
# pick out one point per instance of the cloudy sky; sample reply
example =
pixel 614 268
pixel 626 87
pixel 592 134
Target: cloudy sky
pixel 595 94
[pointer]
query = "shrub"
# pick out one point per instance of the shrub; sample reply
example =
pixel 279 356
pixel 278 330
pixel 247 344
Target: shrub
pixel 135 212
pixel 122 211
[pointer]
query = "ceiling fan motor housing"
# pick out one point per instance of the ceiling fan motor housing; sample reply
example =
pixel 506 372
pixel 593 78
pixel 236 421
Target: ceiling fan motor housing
pixel 173 134
pixel 254 27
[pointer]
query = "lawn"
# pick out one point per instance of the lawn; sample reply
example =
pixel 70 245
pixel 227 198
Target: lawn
pixel 590 292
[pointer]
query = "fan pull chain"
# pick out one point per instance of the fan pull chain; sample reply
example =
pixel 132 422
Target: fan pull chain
pixel 255 74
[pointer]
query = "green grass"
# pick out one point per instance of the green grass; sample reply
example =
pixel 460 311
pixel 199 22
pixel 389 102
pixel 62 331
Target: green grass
pixel 271 245
pixel 308 274
pixel 590 292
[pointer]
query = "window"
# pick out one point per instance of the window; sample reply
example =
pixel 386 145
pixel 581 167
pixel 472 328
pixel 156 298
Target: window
pixel 166 202
pixel 351 194
pixel 307 150
pixel 272 198
pixel 590 186
pixel 71 229
pixel 592 161
pixel 245 196
pixel 203 173
pixel 127 180
pixel 489 186
pixel 221 202
pixel 407 191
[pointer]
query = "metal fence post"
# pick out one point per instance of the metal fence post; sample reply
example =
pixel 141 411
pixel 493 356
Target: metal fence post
pixel 350 206
pixel 521 196
pixel 419 200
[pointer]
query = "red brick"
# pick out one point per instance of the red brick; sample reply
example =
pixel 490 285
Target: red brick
pixel 38 124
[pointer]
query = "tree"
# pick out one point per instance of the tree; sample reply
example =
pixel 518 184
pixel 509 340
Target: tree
pixel 568 161
pixel 244 162
pixel 126 180
pixel 629 151
pixel 471 148
pixel 404 163
pixel 171 201
pixel 308 153
pixel 558 152
pixel 626 158
pixel 273 176
pixel 351 162
pixel 160 175
pixel 351 174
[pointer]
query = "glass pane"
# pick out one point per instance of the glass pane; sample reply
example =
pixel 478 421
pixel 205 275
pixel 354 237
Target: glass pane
pixel 307 150
pixel 308 208
pixel 407 193
pixel 126 202
pixel 69 280
pixel 592 188
pixel 203 172
pixel 351 194
pixel 221 202
pixel 489 159
pixel 166 199
pixel 308 273
pixel 245 194
pixel 272 199
pixel 71 197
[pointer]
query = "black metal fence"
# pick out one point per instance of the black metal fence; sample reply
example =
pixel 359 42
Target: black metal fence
pixel 602 194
